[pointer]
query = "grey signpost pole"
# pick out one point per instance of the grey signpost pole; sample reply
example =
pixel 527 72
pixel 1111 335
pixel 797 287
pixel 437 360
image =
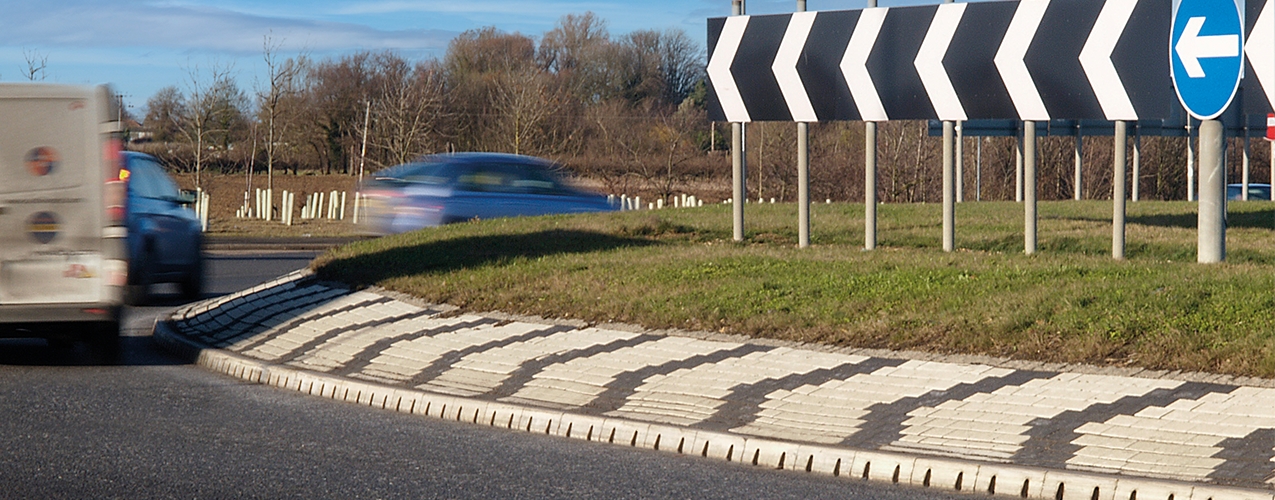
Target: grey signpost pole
pixel 978 171
pixel 949 182
pixel 1118 191
pixel 1244 173
pixel 1077 188
pixel 1137 160
pixel 1029 187
pixel 949 187
pixel 1212 212
pixel 1018 166
pixel 870 178
pixel 1190 164
pixel 803 173
pixel 738 157
pixel 960 164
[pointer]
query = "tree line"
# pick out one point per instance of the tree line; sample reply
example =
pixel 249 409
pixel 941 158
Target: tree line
pixel 626 112
pixel 578 92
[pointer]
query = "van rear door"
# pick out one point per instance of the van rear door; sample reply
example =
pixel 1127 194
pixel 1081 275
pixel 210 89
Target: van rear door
pixel 51 188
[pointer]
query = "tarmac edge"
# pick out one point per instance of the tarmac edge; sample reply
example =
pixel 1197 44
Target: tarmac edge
pixel 947 474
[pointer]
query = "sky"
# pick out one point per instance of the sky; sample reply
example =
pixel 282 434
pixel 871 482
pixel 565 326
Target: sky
pixel 141 46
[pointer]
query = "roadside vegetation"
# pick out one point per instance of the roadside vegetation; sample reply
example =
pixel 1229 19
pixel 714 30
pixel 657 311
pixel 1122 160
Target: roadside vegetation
pixel 679 269
pixel 627 112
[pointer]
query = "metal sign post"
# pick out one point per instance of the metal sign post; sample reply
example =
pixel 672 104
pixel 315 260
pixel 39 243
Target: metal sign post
pixel 1207 64
pixel 1021 60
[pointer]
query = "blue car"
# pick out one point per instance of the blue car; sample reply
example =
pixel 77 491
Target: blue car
pixel 165 241
pixel 442 189
pixel 1255 191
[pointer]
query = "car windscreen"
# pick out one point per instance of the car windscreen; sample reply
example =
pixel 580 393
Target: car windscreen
pixel 148 180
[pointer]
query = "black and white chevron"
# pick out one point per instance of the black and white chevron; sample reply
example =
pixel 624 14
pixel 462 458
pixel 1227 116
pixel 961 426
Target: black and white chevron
pixel 1022 60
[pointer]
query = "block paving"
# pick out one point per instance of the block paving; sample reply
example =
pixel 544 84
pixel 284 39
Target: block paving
pixel 1205 429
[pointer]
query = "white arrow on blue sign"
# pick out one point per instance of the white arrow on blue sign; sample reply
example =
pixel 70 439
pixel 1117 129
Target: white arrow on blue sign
pixel 1206 56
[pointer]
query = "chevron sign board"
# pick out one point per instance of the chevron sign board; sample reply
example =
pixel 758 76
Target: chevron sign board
pixel 1023 60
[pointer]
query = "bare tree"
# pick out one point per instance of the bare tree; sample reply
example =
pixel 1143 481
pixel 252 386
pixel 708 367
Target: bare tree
pixel 211 100
pixel 524 100
pixel 478 63
pixel 283 77
pixel 37 64
pixel 674 134
pixel 336 93
pixel 579 52
pixel 408 107
pixel 681 64
pixel 165 112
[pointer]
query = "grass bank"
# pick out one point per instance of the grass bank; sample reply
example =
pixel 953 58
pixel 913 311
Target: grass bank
pixel 679 269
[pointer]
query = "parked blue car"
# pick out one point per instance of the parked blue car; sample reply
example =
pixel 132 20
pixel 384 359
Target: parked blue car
pixel 442 189
pixel 1255 191
pixel 165 241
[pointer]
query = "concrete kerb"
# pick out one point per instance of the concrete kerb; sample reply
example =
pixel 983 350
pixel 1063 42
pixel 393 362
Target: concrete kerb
pixel 948 474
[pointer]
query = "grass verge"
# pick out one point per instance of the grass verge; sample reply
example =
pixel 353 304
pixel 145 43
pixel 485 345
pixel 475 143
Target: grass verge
pixel 679 269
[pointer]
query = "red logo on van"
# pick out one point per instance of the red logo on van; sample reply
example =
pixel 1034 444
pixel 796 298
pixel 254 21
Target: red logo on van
pixel 42 161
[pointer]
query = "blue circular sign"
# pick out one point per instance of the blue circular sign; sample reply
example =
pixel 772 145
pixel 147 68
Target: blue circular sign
pixel 1206 55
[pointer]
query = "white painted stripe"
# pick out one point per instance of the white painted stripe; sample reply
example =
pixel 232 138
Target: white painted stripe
pixel 1261 51
pixel 719 70
pixel 854 65
pixel 1095 58
pixel 929 62
pixel 785 67
pixel 1009 60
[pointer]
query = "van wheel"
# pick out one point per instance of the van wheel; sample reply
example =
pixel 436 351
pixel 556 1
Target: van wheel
pixel 104 338
pixel 192 285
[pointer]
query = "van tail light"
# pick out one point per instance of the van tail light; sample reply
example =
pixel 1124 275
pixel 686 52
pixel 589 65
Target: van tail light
pixel 116 190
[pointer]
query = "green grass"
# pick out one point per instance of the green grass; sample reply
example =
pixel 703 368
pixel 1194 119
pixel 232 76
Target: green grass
pixel 1071 302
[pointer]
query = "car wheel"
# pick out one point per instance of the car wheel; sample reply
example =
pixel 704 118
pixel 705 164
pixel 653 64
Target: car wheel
pixel 192 285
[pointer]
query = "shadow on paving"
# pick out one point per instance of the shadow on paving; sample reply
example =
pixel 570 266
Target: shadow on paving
pixel 460 253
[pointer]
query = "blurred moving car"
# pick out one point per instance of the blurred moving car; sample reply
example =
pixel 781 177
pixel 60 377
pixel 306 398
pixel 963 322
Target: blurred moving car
pixel 442 189
pixel 1255 191
pixel 165 244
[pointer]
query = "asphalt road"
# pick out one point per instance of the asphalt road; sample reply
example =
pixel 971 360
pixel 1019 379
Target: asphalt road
pixel 154 426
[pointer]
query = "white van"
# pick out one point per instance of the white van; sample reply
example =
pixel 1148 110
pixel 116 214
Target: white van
pixel 63 263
